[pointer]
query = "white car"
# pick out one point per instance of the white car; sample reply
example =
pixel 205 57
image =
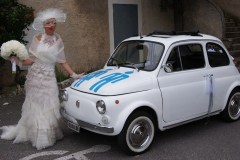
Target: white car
pixel 154 82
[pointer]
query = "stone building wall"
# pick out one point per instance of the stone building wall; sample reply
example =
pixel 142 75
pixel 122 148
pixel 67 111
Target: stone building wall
pixel 203 16
pixel 229 6
pixel 86 30
pixel 155 19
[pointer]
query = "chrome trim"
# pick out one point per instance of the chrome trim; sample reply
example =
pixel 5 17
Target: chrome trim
pixel 192 120
pixel 85 125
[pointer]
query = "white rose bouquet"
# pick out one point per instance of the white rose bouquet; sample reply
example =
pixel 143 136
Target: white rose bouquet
pixel 13 48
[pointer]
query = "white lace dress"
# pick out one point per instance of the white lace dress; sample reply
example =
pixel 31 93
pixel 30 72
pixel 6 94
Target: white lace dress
pixel 40 110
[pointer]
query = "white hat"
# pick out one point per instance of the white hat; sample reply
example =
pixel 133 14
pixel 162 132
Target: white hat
pixel 46 14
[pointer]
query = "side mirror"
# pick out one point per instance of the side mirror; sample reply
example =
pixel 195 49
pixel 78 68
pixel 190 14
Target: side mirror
pixel 168 67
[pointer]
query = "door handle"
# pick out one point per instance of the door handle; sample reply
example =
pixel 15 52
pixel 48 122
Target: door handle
pixel 208 75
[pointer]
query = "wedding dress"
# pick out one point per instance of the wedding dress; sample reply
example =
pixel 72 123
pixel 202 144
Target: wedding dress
pixel 40 110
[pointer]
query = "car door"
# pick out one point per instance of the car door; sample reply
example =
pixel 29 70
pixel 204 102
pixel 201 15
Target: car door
pixel 223 73
pixel 184 83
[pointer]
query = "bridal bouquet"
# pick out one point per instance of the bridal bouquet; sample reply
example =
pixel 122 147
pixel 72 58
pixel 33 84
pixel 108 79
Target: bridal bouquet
pixel 13 48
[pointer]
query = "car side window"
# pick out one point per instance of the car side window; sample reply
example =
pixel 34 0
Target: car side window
pixel 184 57
pixel 216 55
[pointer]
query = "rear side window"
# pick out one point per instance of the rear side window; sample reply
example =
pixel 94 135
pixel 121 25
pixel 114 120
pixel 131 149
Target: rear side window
pixel 184 57
pixel 216 55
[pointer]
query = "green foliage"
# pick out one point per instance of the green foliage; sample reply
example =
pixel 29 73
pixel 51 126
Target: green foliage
pixel 60 76
pixel 14 18
pixel 20 77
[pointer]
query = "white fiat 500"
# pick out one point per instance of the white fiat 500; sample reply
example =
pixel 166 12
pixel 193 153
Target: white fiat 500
pixel 154 82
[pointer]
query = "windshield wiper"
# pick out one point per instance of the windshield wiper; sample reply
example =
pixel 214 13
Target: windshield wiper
pixel 126 64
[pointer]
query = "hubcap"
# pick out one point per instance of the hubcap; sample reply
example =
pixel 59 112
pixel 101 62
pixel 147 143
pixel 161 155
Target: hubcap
pixel 234 106
pixel 140 134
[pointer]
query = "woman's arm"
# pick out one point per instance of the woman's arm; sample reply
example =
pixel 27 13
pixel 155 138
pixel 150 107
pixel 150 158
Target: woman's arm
pixel 21 62
pixel 27 62
pixel 67 68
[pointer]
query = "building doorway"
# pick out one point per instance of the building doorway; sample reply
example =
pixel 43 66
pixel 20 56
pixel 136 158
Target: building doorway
pixel 125 20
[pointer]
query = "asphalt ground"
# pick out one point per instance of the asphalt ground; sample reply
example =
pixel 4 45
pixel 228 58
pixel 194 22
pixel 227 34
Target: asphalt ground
pixel 207 139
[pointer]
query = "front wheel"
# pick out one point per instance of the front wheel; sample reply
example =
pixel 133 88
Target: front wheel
pixel 232 109
pixel 137 134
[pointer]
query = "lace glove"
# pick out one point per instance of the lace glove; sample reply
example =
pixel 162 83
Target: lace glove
pixel 77 76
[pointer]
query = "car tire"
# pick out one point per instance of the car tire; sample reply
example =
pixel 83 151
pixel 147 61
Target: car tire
pixel 232 110
pixel 137 134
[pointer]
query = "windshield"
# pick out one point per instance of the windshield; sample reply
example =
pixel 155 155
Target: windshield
pixel 142 55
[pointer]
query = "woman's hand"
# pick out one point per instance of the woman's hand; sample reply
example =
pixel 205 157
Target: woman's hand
pixel 71 72
pixel 16 60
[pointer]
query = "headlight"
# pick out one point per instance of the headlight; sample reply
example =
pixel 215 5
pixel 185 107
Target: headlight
pixel 64 95
pixel 101 107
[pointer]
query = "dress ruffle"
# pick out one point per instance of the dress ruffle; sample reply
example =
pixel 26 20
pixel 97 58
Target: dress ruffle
pixel 40 110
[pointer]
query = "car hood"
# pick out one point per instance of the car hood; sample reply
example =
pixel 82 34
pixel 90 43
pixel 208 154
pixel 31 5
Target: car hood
pixel 114 81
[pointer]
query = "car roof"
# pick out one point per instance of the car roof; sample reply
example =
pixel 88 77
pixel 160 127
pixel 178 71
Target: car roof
pixel 169 38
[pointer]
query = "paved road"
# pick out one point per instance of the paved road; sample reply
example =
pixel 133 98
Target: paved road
pixel 208 139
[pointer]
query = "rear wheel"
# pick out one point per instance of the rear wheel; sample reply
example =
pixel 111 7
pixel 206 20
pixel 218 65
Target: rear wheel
pixel 232 109
pixel 137 134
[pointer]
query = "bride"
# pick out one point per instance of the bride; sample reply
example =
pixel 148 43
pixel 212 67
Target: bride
pixel 40 110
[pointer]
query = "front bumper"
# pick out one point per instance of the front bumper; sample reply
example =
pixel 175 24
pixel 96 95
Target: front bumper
pixel 85 125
